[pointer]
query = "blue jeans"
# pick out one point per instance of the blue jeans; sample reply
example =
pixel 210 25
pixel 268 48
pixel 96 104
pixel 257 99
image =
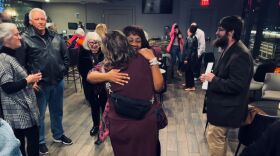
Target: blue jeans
pixel 51 95
pixel 175 53
pixel 9 144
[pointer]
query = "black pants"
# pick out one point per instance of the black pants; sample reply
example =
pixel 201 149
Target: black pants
pixel 189 76
pixel 96 101
pixel 198 67
pixel 32 136
pixel 158 148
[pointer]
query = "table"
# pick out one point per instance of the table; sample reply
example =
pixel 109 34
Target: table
pixel 268 106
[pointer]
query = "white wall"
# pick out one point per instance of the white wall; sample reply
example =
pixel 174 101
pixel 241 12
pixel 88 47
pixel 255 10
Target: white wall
pixel 62 13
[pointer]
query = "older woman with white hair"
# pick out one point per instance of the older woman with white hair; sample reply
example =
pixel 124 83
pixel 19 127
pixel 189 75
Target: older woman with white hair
pixel 90 55
pixel 17 97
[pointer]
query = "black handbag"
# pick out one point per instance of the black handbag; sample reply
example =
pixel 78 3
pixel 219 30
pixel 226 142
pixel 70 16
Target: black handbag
pixel 130 107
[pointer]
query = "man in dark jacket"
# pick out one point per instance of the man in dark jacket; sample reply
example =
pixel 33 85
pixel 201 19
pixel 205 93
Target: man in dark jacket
pixel 226 97
pixel 46 51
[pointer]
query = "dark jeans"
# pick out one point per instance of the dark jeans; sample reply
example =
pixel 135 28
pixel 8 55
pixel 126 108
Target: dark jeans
pixel 189 76
pixel 32 136
pixel 175 53
pixel 51 96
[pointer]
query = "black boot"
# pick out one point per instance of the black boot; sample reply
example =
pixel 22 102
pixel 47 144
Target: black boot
pixel 98 141
pixel 94 131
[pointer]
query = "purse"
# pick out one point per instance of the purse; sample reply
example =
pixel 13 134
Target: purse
pixel 162 120
pixel 130 107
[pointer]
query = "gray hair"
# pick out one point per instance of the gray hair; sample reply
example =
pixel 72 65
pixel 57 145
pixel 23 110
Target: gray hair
pixel 80 31
pixel 36 10
pixel 6 32
pixel 91 36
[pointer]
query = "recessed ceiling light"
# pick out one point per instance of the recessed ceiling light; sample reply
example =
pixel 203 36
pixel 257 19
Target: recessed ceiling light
pixel 47 0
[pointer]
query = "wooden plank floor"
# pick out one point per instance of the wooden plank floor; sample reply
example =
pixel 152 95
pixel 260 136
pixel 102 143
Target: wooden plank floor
pixel 184 135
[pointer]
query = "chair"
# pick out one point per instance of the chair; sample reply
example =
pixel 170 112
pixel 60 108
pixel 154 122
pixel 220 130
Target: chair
pixel 258 79
pixel 73 74
pixel 271 88
pixel 250 133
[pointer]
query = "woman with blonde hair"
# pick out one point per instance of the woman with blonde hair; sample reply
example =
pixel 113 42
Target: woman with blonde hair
pixel 101 30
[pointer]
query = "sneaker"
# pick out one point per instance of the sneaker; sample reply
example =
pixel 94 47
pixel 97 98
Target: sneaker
pixel 43 149
pixel 63 139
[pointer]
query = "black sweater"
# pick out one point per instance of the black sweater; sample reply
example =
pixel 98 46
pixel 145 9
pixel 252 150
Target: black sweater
pixel 12 87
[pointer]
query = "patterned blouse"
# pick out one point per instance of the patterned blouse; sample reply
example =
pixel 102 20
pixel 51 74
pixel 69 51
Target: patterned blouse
pixel 20 109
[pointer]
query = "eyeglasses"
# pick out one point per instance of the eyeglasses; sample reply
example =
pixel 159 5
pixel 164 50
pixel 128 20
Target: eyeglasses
pixel 94 42
pixel 220 29
pixel 131 40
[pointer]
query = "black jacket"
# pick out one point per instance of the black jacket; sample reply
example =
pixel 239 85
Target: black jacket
pixel 226 97
pixel 47 54
pixel 88 61
pixel 190 52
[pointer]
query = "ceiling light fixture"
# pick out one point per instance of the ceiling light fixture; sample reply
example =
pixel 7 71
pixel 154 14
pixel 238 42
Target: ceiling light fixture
pixel 47 0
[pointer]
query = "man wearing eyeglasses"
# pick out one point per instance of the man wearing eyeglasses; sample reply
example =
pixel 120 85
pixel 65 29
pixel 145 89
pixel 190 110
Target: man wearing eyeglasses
pixel 46 52
pixel 226 97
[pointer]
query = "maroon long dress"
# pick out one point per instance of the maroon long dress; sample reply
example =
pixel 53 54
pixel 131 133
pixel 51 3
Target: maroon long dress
pixel 131 137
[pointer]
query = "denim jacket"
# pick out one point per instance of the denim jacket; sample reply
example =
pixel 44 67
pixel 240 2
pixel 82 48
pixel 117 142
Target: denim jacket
pixel 9 144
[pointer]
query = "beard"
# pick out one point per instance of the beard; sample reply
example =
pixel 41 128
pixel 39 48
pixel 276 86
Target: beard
pixel 221 42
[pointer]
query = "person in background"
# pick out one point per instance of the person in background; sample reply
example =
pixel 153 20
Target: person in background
pixel 190 58
pixel 227 93
pixel 90 55
pixel 101 30
pixel 46 52
pixel 76 41
pixel 145 78
pixel 201 49
pixel 18 99
pixel 9 144
pixel 26 20
pixel 5 17
pixel 175 48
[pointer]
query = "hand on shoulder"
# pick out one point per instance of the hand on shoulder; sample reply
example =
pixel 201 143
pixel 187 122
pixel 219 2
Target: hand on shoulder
pixel 147 53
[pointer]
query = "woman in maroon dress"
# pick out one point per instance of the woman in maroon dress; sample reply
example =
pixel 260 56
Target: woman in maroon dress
pixel 131 136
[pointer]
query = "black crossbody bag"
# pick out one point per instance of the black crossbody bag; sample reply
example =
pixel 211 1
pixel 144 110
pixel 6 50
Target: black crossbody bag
pixel 130 107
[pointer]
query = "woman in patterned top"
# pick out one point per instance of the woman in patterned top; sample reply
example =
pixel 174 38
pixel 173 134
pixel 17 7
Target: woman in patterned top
pixel 17 96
